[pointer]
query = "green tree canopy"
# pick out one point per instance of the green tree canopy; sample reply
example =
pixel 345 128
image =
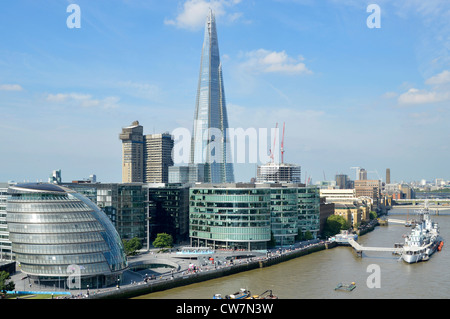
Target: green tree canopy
pixel 132 246
pixel 5 282
pixel 163 240
pixel 334 225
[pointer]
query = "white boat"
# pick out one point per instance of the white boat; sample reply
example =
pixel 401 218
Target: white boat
pixel 344 237
pixel 423 240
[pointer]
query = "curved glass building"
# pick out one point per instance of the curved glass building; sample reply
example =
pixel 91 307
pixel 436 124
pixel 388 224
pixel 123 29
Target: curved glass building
pixel 58 234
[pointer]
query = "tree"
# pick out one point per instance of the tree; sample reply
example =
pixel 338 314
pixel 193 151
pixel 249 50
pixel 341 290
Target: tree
pixel 334 225
pixel 308 235
pixel 5 282
pixel 373 215
pixel 132 246
pixel 163 240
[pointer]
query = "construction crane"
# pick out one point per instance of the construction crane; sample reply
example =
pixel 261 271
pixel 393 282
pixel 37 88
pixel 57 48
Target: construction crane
pixel 282 146
pixel 274 139
pixel 376 172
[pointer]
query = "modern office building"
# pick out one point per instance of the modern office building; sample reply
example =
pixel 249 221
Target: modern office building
pixel 230 216
pixel 278 173
pixel 123 203
pixel 55 178
pixel 168 211
pixel 189 174
pixel 252 216
pixel 58 234
pixel 284 215
pixel 5 243
pixel 209 145
pixel 308 210
pixel 132 153
pixel 158 157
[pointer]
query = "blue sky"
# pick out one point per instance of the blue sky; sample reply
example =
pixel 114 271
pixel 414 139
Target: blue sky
pixel 349 95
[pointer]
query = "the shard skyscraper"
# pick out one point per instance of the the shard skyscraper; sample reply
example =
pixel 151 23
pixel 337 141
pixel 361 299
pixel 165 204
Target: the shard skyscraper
pixel 209 146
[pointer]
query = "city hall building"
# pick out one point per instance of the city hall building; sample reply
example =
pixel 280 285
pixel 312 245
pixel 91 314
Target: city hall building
pixel 252 216
pixel 58 234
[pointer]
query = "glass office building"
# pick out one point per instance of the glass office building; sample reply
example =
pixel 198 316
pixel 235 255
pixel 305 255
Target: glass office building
pixel 252 216
pixel 229 217
pixel 209 143
pixel 284 214
pixel 308 199
pixel 168 211
pixel 57 233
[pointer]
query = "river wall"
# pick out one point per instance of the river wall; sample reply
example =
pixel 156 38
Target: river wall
pixel 140 289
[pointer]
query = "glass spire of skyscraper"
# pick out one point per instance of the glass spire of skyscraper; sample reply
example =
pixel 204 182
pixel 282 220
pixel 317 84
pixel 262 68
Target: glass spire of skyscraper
pixel 209 145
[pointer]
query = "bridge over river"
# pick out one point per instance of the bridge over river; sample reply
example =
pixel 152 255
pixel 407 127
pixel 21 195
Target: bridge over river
pixel 443 203
pixel 359 248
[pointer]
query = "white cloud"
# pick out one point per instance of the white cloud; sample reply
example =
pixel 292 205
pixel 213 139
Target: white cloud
pixel 416 96
pixel 10 87
pixel 141 90
pixel 83 100
pixel 439 91
pixel 194 12
pixel 266 61
pixel 441 78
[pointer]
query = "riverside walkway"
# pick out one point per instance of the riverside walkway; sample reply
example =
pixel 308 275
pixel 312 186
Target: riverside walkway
pixel 150 271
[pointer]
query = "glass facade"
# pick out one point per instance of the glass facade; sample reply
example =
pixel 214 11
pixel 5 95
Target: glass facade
pixel 123 203
pixel 284 215
pixel 248 217
pixel 232 218
pixel 52 228
pixel 168 211
pixel 309 207
pixel 209 144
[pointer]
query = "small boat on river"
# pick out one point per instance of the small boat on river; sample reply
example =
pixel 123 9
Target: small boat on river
pixel 346 287
pixel 245 294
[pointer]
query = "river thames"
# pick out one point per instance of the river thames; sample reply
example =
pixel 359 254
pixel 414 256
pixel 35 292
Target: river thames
pixel 376 274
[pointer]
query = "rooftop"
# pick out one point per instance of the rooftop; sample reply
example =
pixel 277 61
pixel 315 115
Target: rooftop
pixel 42 187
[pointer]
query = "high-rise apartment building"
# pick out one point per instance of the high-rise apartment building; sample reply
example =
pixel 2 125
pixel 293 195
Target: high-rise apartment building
pixel 388 175
pixel 132 153
pixel 209 143
pixel 145 158
pixel 158 157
